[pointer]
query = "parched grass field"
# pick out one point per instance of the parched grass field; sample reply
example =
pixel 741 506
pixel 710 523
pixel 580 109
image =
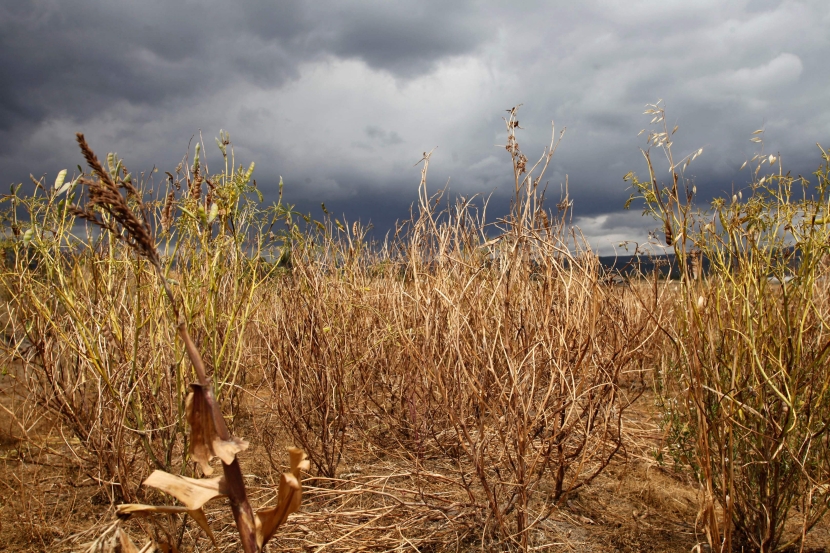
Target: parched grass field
pixel 460 386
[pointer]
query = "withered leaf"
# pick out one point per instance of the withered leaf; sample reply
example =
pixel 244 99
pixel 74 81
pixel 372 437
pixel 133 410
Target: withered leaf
pixel 191 491
pixel 289 498
pixel 227 449
pixel 204 441
pixel 269 520
pixel 200 518
pixel 202 431
pixel 127 545
pixel 128 509
pixel 297 460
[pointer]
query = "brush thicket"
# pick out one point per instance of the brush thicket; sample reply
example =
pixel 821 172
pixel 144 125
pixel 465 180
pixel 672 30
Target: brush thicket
pixel 746 381
pixel 454 386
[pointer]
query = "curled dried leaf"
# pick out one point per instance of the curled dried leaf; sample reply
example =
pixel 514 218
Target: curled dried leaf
pixel 127 545
pixel 199 516
pixel 202 430
pixel 227 449
pixel 290 493
pixel 269 520
pixel 289 498
pixel 204 441
pixel 298 461
pixel 192 492
pixel 126 510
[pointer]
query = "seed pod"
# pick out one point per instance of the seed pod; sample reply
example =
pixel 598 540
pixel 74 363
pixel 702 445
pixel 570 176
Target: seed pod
pixel 60 178
pixel 68 186
pixel 249 172
pixel 196 157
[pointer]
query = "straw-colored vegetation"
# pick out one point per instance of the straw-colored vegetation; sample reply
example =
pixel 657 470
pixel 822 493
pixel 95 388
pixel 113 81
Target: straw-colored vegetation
pixel 461 385
pixel 746 382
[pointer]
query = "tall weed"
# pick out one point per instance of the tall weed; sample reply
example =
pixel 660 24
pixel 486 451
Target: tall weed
pixel 746 384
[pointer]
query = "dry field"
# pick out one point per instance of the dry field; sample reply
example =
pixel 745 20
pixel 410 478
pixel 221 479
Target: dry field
pixel 461 386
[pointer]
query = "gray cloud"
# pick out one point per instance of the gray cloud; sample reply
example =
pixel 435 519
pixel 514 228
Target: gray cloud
pixel 62 59
pixel 382 136
pixel 342 98
pixel 407 40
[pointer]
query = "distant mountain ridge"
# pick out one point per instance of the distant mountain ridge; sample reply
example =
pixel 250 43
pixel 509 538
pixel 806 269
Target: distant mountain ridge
pixel 640 264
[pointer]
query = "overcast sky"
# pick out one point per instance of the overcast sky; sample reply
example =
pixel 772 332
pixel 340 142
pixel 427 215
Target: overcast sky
pixel 341 98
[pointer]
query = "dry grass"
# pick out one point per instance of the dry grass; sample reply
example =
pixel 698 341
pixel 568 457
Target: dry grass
pixel 464 385
pixel 746 383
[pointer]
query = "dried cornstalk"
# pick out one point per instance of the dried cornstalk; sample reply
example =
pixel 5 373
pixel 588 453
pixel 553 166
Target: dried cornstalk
pixel 210 437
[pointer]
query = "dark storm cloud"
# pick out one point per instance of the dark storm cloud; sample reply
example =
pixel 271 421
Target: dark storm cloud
pixel 341 98
pixel 407 40
pixel 159 71
pixel 58 59
pixel 61 58
pixel 371 204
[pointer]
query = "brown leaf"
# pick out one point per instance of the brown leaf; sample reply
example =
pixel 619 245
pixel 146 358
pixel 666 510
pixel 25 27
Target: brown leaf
pixel 191 491
pixel 290 493
pixel 269 520
pixel 200 518
pixel 204 441
pixel 289 498
pixel 126 510
pixel 227 449
pixel 202 430
pixel 298 461
pixel 127 545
